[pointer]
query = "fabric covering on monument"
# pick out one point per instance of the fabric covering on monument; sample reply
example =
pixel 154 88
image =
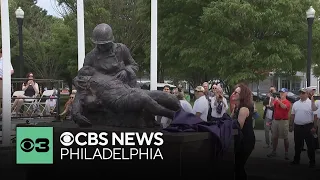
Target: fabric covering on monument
pixel 222 129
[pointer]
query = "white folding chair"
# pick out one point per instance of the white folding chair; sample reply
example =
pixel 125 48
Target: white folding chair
pixel 14 95
pixel 42 101
pixel 30 105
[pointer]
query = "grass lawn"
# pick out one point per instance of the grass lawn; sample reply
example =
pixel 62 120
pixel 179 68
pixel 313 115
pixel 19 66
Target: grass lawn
pixel 259 122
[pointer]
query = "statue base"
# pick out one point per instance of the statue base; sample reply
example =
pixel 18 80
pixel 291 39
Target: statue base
pixel 127 119
pixel 182 154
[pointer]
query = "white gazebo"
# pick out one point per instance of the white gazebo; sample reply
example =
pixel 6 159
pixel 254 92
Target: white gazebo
pixel 5 29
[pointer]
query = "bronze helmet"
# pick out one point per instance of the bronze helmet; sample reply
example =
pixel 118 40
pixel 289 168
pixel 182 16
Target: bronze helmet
pixel 102 34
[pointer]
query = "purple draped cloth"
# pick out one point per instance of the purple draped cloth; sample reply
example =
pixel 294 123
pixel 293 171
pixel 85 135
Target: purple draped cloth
pixel 221 128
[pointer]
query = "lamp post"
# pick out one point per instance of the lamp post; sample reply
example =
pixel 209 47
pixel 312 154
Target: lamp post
pixel 20 16
pixel 310 17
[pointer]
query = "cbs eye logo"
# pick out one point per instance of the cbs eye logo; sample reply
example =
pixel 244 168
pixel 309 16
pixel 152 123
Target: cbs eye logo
pixel 39 145
pixel 66 139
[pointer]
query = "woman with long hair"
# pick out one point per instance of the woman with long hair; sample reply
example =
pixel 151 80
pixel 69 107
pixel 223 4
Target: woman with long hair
pixel 245 143
pixel 67 107
pixel 31 90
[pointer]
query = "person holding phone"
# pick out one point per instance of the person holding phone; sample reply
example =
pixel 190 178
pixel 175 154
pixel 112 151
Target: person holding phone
pixel 280 123
pixel 219 104
pixel 304 125
pixel 268 115
pixel 31 90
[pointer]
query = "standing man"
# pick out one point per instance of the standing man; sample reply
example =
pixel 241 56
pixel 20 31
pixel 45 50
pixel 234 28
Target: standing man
pixel 201 105
pixel 164 121
pixel 268 115
pixel 1 73
pixel 304 126
pixel 207 93
pixel 280 124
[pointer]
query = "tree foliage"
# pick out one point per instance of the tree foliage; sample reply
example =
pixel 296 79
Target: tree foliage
pixel 199 40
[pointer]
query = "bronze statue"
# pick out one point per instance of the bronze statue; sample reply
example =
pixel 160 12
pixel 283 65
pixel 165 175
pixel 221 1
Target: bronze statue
pixel 111 58
pixel 107 91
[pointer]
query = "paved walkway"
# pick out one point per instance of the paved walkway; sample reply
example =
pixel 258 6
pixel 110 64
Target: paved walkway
pixel 262 167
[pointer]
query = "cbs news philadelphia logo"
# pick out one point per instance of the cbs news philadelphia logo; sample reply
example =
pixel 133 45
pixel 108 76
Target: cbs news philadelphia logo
pixel 34 145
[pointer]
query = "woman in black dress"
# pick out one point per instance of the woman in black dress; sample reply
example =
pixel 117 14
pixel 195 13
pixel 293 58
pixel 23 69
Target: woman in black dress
pixel 246 141
pixel 31 90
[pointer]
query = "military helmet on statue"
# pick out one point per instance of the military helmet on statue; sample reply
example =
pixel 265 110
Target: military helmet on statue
pixel 102 34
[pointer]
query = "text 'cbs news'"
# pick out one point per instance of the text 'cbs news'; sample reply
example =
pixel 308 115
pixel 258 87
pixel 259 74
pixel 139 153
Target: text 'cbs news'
pixel 120 146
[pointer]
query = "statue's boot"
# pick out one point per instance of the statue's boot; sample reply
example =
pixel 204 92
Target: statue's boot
pixel 165 99
pixel 76 111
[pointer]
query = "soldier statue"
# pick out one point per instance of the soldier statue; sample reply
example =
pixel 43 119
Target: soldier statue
pixel 107 88
pixel 111 58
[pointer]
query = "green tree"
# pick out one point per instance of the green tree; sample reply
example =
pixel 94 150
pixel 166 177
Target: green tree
pixel 121 15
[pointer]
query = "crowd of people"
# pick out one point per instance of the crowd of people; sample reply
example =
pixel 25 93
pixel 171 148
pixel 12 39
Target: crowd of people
pixel 211 105
pixel 303 121
pixel 280 118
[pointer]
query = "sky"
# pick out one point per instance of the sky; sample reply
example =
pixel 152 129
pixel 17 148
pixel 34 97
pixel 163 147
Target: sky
pixel 48 5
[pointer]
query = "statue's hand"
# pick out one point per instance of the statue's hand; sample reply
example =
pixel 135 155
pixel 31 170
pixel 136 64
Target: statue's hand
pixel 122 75
pixel 81 120
pixel 130 70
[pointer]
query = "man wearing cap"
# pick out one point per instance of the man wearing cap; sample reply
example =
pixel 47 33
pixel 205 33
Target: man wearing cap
pixel 111 58
pixel 201 105
pixel 280 124
pixel 304 125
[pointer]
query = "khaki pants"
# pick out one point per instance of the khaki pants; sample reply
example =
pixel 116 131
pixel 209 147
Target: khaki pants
pixel 319 131
pixel 1 92
pixel 280 129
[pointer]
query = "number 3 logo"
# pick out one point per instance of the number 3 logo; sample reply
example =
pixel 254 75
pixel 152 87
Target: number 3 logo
pixel 40 145
pixel 43 145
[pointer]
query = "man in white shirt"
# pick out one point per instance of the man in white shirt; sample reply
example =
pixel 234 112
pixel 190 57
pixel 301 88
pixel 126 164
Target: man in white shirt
pixel 317 114
pixel 1 73
pixel 304 125
pixel 186 106
pixel 201 105
pixel 164 121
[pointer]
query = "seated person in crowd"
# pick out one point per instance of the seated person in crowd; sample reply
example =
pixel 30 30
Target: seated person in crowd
pixel 31 90
pixel 67 107
pixel 50 104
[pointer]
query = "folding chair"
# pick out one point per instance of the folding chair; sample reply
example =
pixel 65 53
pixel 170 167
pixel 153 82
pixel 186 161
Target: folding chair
pixel 15 94
pixel 30 105
pixel 42 101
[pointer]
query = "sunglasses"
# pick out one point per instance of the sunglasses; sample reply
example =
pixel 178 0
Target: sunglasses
pixel 71 97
